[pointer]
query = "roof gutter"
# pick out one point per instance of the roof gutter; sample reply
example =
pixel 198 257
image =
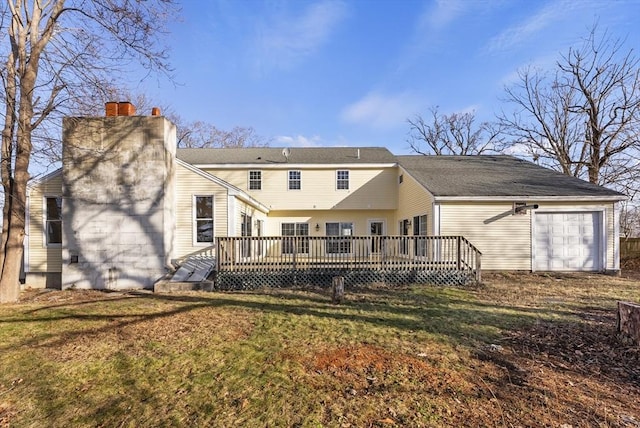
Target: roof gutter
pixel 284 165
pixel 612 198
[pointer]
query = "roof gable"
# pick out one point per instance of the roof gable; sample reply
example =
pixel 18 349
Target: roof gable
pixel 233 190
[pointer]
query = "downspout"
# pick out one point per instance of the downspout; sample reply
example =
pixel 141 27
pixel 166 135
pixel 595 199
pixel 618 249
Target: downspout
pixel 436 219
pixel 231 215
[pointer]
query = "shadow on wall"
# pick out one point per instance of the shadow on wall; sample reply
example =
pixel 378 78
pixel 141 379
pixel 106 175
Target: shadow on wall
pixel 118 185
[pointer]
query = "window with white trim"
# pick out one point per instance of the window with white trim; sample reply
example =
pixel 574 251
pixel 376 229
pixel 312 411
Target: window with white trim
pixel 295 180
pixel 295 238
pixel 255 180
pixel 342 180
pixel 53 220
pixel 203 218
pixel 341 241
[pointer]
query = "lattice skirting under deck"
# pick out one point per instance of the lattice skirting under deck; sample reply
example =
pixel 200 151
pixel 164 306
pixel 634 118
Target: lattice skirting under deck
pixel 247 280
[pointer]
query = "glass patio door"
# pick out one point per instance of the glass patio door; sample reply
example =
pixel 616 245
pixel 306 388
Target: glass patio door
pixel 376 228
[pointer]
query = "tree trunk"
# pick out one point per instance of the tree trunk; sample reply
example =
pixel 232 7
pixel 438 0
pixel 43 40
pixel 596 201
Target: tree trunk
pixel 10 282
pixel 338 289
pixel 13 250
pixel 629 320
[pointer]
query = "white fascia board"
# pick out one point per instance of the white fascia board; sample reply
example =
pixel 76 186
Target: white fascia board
pixel 36 181
pixel 249 200
pixel 294 165
pixel 530 198
pixel 231 189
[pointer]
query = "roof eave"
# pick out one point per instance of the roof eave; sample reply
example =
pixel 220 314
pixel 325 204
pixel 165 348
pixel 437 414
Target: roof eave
pixel 583 198
pixel 284 165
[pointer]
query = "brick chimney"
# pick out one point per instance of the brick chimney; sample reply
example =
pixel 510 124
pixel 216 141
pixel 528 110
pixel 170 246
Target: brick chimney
pixel 123 108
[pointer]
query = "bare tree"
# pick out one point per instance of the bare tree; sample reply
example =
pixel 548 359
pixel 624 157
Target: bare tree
pixel 201 134
pixel 53 51
pixel 452 134
pixel 629 220
pixel 583 117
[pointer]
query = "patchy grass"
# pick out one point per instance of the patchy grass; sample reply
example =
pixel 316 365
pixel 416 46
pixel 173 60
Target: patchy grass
pixel 521 350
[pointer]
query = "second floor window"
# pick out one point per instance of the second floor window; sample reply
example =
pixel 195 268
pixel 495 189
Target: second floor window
pixel 342 180
pixel 255 180
pixel 294 180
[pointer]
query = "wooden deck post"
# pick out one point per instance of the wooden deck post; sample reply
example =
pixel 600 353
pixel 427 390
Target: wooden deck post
pixel 338 289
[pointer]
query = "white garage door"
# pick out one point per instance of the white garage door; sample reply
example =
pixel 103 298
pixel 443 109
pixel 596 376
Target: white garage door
pixel 568 241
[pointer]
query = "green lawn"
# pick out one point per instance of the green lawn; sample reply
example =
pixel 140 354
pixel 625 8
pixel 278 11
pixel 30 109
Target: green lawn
pixel 414 356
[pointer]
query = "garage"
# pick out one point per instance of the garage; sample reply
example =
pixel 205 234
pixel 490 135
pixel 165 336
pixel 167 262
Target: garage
pixel 567 241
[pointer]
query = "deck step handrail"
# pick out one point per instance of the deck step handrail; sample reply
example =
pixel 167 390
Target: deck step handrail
pixel 206 252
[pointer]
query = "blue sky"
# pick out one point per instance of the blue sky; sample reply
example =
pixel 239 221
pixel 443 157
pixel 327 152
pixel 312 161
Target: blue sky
pixel 349 73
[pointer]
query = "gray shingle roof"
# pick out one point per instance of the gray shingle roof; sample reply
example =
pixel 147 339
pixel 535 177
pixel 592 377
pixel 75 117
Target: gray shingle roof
pixel 299 155
pixel 477 176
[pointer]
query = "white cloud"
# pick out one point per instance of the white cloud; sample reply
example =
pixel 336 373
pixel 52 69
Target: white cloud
pixel 298 141
pixel 538 65
pixel 430 28
pixel 284 40
pixel 443 13
pixel 518 34
pixel 382 111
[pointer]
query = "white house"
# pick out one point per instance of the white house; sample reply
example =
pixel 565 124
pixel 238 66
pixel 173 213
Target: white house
pixel 126 203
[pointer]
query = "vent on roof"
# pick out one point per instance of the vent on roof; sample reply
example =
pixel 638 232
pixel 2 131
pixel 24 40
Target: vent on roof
pixel 286 152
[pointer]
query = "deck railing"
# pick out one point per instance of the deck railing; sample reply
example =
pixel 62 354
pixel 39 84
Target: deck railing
pixel 384 253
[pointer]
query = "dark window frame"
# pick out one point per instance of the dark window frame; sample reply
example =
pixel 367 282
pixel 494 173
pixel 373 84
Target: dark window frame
pixel 53 223
pixel 201 220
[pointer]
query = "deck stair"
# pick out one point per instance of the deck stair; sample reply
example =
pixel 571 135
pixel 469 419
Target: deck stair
pixel 194 269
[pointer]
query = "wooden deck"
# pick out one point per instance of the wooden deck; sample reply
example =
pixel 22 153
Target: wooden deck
pixel 250 262
pixel 449 258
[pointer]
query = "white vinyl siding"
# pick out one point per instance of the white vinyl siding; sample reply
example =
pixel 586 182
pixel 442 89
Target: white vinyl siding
pixel 414 200
pixel 188 185
pixel 42 258
pixel 506 240
pixel 503 239
pixel 369 188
